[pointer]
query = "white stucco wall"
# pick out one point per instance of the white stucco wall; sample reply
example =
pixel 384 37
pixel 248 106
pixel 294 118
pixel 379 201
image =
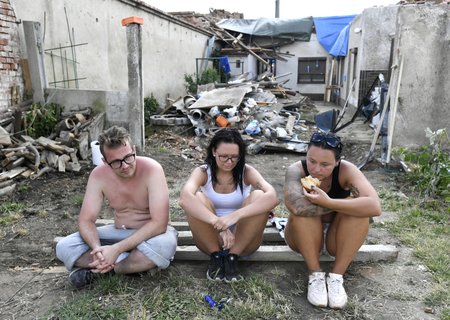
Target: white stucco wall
pixel 301 49
pixel 169 45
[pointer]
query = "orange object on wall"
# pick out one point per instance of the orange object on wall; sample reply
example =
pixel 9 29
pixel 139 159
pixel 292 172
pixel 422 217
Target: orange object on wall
pixel 132 19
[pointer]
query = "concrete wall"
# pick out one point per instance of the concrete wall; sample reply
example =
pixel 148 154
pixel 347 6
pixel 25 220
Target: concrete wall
pixel 11 81
pixel 371 34
pixel 377 29
pixel 170 46
pixel 301 49
pixel 113 103
pixel 421 35
pixel 422 38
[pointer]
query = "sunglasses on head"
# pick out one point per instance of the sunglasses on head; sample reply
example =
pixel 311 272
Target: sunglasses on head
pixel 330 139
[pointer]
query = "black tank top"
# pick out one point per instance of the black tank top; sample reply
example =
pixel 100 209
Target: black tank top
pixel 336 191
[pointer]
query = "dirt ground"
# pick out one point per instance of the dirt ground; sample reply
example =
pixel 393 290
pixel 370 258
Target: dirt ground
pixel 32 280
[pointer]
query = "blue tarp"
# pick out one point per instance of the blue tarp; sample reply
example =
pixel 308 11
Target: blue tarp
pixel 332 33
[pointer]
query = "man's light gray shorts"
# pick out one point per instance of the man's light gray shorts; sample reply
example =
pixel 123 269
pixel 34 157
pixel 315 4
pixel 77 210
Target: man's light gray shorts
pixel 159 249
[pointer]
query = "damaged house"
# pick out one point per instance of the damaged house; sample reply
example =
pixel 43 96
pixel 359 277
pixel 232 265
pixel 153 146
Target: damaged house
pixel 81 54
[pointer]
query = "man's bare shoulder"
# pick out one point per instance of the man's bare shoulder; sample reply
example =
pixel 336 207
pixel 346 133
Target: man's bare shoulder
pixel 148 163
pixel 100 171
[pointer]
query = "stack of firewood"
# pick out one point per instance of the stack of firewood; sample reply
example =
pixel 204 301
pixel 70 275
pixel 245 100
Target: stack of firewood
pixel 23 156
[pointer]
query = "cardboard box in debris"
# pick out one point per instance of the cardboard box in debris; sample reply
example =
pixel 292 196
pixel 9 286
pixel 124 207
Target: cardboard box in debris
pixel 269 113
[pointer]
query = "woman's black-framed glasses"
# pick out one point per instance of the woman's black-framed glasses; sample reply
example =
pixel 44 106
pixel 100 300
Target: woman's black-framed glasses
pixel 128 159
pixel 226 158
pixel 331 140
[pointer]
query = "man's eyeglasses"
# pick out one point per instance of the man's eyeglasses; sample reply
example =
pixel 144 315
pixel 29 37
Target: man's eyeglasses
pixel 128 159
pixel 330 139
pixel 226 158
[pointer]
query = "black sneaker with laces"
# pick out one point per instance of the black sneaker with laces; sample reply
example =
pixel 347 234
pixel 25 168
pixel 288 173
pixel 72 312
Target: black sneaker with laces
pixel 231 270
pixel 215 270
pixel 81 277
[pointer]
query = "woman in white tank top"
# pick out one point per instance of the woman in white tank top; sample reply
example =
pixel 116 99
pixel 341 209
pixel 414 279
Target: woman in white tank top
pixel 227 204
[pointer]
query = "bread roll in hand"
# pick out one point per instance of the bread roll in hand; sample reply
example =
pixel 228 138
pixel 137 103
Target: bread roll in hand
pixel 309 182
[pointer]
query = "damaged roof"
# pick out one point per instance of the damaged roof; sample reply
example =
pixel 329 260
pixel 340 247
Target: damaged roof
pixel 297 29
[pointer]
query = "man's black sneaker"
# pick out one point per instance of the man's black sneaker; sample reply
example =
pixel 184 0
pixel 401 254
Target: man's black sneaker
pixel 215 270
pixel 81 277
pixel 231 270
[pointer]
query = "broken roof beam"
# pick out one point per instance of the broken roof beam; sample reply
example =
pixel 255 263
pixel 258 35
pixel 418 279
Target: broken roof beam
pixel 239 42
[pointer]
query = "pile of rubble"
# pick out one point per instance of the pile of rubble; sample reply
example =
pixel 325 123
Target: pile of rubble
pixel 23 156
pixel 263 110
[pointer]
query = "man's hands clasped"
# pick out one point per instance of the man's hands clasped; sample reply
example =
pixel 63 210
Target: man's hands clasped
pixel 104 259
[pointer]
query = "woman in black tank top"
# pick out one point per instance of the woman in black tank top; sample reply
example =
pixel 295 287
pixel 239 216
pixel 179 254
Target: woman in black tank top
pixel 333 216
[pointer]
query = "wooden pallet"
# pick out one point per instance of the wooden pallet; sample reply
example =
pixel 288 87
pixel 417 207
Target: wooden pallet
pixel 274 248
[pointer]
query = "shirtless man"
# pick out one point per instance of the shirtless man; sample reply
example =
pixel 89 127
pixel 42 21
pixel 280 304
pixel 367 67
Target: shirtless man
pixel 140 238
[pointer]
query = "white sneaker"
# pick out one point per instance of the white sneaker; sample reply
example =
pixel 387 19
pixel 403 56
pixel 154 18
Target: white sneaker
pixel 317 289
pixel 337 297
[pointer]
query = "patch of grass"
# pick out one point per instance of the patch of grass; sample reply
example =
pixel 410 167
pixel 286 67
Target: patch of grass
pixel 158 149
pixel 66 215
pixel 78 200
pixel 22 232
pixel 24 187
pixel 353 310
pixel 424 226
pixel 10 212
pixel 43 214
pixel 91 306
pixel 174 295
pixel 301 286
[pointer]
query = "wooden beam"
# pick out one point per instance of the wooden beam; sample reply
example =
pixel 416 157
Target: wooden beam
pixel 270 235
pixel 284 253
pixel 239 42
pixel 275 252
pixel 178 225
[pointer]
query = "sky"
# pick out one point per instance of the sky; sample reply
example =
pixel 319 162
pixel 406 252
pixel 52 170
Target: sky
pixel 289 9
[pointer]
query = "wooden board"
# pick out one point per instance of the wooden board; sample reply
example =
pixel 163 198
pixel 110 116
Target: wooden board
pixel 275 251
pixel 283 253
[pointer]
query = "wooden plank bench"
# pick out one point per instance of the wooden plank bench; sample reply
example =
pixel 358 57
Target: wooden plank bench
pixel 276 250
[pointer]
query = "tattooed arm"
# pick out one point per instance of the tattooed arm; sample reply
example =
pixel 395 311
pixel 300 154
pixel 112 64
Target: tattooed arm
pixel 363 200
pixel 294 199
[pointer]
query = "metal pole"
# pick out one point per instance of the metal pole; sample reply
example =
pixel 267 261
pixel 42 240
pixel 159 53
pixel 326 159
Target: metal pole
pixel 53 68
pixel 62 64
pixel 74 57
pixel 67 68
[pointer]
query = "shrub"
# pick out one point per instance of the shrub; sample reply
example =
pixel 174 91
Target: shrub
pixel 210 75
pixel 151 105
pixel 430 164
pixel 41 120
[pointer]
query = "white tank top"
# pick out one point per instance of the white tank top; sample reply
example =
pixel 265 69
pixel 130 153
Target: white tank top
pixel 225 203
